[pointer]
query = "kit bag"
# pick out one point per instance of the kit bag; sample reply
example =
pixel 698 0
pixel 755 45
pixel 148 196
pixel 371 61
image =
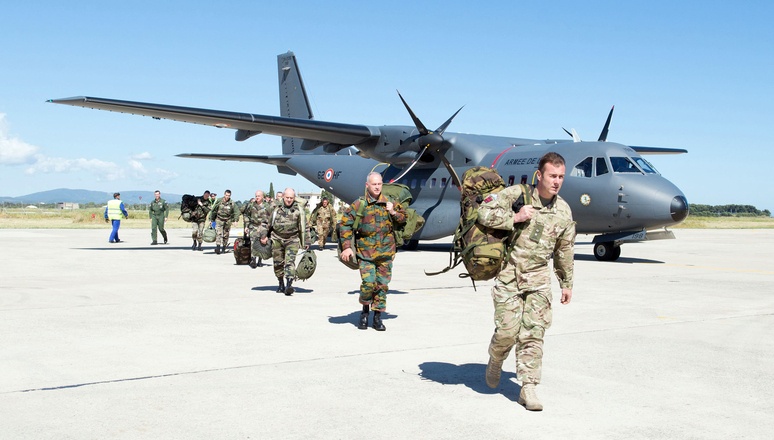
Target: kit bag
pixel 242 250
pixel 306 265
pixel 209 235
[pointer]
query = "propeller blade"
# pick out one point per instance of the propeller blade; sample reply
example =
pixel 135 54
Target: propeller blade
pixel 445 125
pixel 603 135
pixel 450 169
pixel 568 133
pixel 420 126
pixel 410 166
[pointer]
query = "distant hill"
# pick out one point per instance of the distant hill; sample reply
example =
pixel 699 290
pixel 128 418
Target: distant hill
pixel 86 196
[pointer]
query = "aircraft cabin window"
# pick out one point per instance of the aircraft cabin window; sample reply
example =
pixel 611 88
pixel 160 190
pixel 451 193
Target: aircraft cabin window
pixel 432 182
pixel 405 182
pixel 645 165
pixel 443 182
pixel 583 169
pixel 623 165
pixel 602 166
pixel 413 183
pixel 423 183
pixel 511 179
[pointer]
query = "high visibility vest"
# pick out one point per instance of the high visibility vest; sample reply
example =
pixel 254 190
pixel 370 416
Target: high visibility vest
pixel 114 210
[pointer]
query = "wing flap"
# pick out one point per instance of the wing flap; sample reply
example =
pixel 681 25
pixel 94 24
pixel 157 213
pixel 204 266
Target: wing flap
pixel 325 132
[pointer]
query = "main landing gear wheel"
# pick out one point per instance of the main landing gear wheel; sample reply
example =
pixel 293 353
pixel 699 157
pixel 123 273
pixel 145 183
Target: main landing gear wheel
pixel 607 251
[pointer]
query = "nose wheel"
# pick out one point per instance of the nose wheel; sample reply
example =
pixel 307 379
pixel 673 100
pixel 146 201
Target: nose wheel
pixel 607 251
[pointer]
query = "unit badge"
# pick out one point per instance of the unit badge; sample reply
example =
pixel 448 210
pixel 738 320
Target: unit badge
pixel 585 199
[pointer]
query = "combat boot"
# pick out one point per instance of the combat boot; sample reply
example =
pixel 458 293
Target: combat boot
pixel 493 370
pixel 259 263
pixel 281 288
pixel 253 264
pixel 528 397
pixel 289 290
pixel 165 237
pixel 154 243
pixel 200 247
pixel 378 322
pixel 362 323
pixel 217 249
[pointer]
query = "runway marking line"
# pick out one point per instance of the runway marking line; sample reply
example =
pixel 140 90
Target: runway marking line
pixel 711 268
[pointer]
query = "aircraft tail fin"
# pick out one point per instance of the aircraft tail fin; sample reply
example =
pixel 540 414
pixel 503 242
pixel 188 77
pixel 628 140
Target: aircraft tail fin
pixel 294 102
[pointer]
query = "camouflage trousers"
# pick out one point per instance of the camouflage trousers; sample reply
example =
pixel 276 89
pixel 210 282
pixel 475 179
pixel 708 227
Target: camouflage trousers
pixel 375 276
pixel 157 223
pixel 255 235
pixel 521 320
pixel 223 229
pixel 197 231
pixel 283 253
pixel 323 229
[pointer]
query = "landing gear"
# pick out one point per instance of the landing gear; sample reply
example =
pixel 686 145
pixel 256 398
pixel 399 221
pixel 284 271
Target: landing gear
pixel 607 251
pixel 411 245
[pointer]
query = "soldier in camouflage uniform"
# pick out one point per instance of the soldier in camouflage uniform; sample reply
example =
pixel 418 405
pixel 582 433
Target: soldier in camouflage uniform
pixel 522 292
pixel 158 210
pixel 224 212
pixel 289 231
pixel 375 246
pixel 256 216
pixel 323 217
pixel 199 219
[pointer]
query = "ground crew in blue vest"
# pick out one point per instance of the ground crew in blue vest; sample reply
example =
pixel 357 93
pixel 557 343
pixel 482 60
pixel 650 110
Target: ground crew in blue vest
pixel 199 219
pixel 375 246
pixel 158 210
pixel 289 231
pixel 522 291
pixel 113 213
pixel 224 213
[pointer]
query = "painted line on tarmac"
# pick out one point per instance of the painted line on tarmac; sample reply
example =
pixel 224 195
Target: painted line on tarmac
pixel 710 268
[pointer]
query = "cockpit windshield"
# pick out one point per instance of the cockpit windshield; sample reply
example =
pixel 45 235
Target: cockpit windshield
pixel 623 165
pixel 645 165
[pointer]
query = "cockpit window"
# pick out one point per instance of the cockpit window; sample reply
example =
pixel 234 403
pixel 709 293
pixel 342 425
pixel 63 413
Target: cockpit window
pixel 602 166
pixel 583 169
pixel 623 165
pixel 645 165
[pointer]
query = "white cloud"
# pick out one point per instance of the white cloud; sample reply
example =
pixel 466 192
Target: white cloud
pixel 14 151
pixel 101 169
pixel 142 156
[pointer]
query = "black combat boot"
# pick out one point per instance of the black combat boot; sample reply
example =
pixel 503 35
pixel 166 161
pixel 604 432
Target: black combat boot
pixel 378 322
pixel 281 288
pixel 193 246
pixel 165 236
pixel 253 264
pixel 217 249
pixel 289 290
pixel 200 247
pixel 259 264
pixel 362 323
pixel 153 243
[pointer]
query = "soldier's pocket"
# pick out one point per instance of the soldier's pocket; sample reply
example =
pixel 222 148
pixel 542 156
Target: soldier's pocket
pixel 538 315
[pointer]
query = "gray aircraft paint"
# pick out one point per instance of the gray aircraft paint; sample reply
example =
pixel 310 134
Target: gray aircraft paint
pixel 338 157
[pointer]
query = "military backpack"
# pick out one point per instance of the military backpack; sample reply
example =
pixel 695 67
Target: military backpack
pixel 188 208
pixel 480 248
pixel 242 250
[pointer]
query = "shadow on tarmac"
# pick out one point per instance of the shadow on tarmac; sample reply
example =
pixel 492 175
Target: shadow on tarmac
pixel 273 288
pixel 621 260
pixel 389 292
pixel 354 316
pixel 472 376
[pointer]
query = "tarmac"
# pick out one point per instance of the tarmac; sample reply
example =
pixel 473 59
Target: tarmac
pixel 675 340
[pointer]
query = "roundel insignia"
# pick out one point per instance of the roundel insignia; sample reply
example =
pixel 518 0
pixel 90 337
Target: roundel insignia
pixel 329 175
pixel 585 199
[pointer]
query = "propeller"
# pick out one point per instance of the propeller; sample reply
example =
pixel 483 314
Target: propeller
pixel 602 136
pixel 428 141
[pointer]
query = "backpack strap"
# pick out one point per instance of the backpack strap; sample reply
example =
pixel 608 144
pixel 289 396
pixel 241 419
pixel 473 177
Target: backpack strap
pixel 526 193
pixel 358 215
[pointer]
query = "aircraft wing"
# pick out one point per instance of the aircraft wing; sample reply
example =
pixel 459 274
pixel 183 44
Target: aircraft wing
pixel 657 150
pixel 271 160
pixel 247 124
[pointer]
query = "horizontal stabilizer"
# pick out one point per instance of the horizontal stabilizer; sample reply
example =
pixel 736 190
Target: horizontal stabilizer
pixel 325 132
pixel 657 150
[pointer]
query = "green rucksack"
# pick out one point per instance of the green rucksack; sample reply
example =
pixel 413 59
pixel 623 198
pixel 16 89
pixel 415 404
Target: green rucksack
pixel 480 248
pixel 306 265
pixel 396 192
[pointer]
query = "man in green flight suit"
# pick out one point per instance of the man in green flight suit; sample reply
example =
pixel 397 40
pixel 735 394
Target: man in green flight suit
pixel 543 230
pixel 375 246
pixel 158 211
pixel 224 213
pixel 289 232
pixel 256 216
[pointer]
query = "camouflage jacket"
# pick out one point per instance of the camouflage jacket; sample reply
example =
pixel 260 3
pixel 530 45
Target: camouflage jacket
pixel 224 211
pixel 256 214
pixel 200 213
pixel 158 208
pixel 287 222
pixel 373 238
pixel 323 215
pixel 550 231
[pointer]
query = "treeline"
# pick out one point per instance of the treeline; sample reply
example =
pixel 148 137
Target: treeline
pixel 727 211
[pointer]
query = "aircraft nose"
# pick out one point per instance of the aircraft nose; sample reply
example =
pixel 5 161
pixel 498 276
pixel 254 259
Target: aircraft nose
pixel 679 208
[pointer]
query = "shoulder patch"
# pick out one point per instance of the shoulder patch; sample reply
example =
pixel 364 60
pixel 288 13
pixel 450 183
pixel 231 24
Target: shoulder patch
pixel 490 198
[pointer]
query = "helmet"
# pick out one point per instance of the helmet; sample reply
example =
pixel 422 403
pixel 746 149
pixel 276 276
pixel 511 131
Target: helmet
pixel 306 265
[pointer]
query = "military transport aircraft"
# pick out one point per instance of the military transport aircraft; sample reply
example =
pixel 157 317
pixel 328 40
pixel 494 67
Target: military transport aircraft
pixel 613 191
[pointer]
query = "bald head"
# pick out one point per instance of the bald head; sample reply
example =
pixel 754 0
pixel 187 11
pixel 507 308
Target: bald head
pixel 259 196
pixel 289 196
pixel 374 185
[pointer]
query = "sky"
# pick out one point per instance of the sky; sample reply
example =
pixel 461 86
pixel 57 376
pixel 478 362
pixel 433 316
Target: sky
pixel 691 74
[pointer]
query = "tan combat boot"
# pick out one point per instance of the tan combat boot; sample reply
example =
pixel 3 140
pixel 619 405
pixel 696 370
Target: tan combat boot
pixel 529 398
pixel 493 370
